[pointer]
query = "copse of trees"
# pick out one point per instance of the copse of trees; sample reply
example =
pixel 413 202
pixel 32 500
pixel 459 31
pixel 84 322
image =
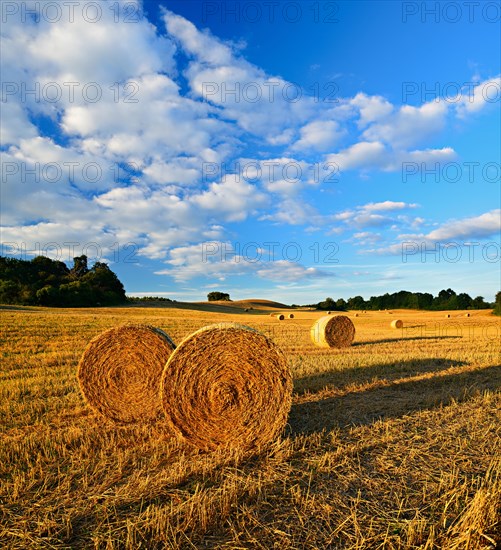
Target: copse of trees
pixel 445 300
pixel 332 305
pixel 216 296
pixel 47 282
pixel 497 304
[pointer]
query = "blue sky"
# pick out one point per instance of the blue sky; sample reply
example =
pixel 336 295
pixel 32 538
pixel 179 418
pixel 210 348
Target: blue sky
pixel 285 150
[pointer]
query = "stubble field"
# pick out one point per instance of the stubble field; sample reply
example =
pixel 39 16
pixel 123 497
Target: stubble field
pixel 391 443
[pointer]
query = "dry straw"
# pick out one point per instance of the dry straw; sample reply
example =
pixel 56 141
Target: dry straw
pixel 466 314
pixel 120 370
pixel 291 315
pixel 227 385
pixel 397 323
pixel 447 316
pixel 333 332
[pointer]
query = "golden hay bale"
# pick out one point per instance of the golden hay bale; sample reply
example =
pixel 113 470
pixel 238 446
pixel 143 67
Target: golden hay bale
pixel 356 314
pixel 291 315
pixel 120 371
pixel 329 312
pixel 272 314
pixel 397 323
pixel 227 385
pixel 280 316
pixel 333 332
pixel 466 314
pixel 447 316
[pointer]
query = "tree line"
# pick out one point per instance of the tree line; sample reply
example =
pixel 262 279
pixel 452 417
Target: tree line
pixel 45 282
pixel 445 300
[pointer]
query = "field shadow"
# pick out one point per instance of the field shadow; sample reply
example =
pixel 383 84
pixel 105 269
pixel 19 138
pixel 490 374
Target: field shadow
pixel 406 339
pixel 340 379
pixel 361 407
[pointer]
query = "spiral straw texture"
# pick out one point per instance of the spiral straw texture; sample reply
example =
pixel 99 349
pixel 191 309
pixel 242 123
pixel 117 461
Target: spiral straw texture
pixel 120 371
pixel 333 332
pixel 227 385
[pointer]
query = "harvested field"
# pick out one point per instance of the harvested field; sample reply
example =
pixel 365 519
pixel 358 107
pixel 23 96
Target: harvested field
pixel 390 443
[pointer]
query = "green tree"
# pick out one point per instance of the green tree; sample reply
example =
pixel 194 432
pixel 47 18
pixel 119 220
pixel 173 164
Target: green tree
pixel 497 304
pixel 357 302
pixel 216 296
pixel 327 304
pixel 479 303
pixel 341 305
pixel 80 267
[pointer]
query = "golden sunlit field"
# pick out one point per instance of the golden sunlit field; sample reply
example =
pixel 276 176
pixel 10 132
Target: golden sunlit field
pixel 391 443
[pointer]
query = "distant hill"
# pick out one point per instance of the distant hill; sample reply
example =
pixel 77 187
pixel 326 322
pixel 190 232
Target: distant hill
pixel 261 303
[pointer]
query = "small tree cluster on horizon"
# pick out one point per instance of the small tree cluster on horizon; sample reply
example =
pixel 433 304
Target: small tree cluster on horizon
pixel 216 296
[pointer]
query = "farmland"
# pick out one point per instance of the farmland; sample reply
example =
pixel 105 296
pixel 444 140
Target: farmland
pixel 393 442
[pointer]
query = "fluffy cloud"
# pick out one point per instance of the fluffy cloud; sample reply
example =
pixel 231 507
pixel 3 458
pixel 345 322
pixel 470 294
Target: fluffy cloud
pixel 481 96
pixel 408 125
pixel 460 231
pixel 163 202
pixel 220 260
pixel 319 135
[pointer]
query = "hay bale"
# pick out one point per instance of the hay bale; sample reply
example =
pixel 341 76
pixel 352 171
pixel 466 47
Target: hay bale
pixel 333 332
pixel 448 315
pixel 120 370
pixel 356 314
pixel 329 312
pixel 273 314
pixel 246 309
pixel 227 385
pixel 466 314
pixel 397 323
pixel 291 315
pixel 280 316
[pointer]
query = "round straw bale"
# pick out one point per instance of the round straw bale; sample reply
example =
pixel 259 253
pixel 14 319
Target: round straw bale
pixel 227 385
pixel 280 316
pixel 272 314
pixel 291 315
pixel 120 371
pixel 447 316
pixel 329 312
pixel 333 332
pixel 397 323
pixel 466 314
pixel 356 314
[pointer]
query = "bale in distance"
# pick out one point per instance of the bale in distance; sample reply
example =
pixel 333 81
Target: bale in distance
pixel 356 315
pixel 447 316
pixel 466 314
pixel 291 315
pixel 397 323
pixel 329 312
pixel 280 316
pixel 120 370
pixel 227 386
pixel 333 332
